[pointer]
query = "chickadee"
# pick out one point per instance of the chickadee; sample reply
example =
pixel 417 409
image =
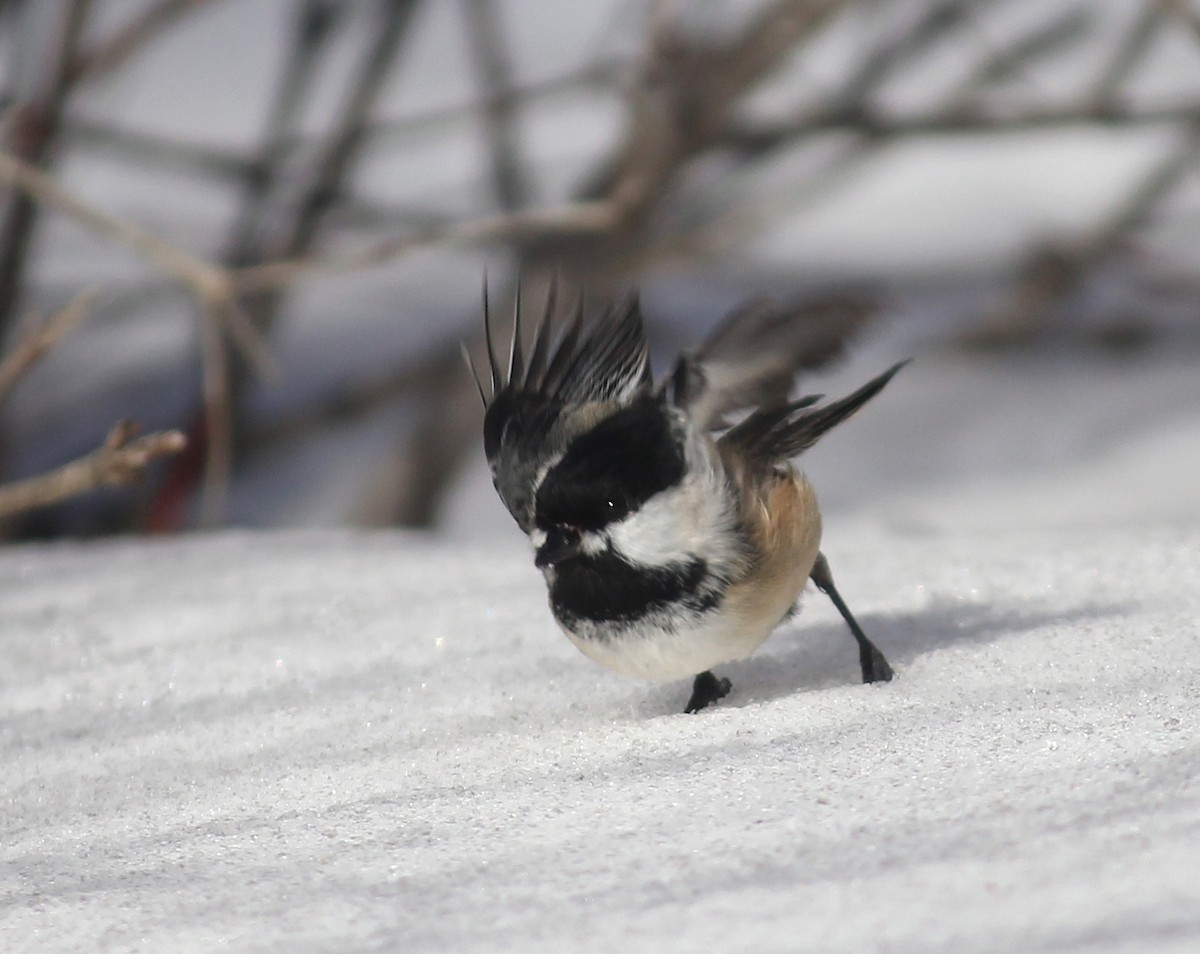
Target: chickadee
pixel 670 541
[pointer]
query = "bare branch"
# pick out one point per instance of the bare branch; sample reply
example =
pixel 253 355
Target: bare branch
pixel 1052 37
pixel 119 461
pixel 1184 13
pixel 571 220
pixel 107 55
pixel 1054 272
pixel 498 102
pixel 1128 54
pixel 42 337
pixel 212 284
pixel 315 25
pixel 764 135
pixel 33 129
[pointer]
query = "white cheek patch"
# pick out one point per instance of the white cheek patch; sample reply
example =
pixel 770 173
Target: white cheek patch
pixel 677 524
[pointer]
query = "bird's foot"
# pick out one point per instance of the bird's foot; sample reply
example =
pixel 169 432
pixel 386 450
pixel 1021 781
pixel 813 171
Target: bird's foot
pixel 708 688
pixel 875 668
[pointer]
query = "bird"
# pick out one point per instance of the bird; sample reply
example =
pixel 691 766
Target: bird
pixel 672 528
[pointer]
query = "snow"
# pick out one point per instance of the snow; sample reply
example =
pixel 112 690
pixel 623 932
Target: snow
pixel 343 741
pixel 329 740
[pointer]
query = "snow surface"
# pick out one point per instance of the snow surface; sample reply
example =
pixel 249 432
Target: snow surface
pixel 340 741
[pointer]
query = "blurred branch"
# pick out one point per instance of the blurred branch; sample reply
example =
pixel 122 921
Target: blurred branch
pixel 33 128
pixel 120 460
pixel 1040 42
pixel 212 285
pixel 1180 10
pixel 498 102
pixel 1127 55
pixel 316 22
pixel 758 136
pixel 110 54
pixel 346 140
pixel 1054 272
pixel 573 219
pixel 40 339
pixel 222 164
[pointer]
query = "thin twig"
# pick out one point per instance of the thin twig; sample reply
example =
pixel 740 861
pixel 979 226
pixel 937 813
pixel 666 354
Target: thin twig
pixel 41 338
pixel 109 54
pixel 1069 28
pixel 571 220
pixel 212 284
pixel 498 103
pixel 1128 54
pixel 1053 273
pixel 119 460
pixel 33 129
pixel 218 421
pixel 758 136
pixel 351 131
pixel 315 25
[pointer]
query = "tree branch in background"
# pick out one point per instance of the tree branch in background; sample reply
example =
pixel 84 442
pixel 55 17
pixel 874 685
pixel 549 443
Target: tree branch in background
pixel 497 103
pixel 40 339
pixel 33 129
pixel 1053 272
pixel 109 55
pixel 212 285
pixel 120 460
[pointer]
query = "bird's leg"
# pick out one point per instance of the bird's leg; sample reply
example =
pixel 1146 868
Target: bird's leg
pixel 706 690
pixel 874 667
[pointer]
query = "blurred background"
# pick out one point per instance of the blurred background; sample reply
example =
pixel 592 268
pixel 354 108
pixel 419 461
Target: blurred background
pixel 264 224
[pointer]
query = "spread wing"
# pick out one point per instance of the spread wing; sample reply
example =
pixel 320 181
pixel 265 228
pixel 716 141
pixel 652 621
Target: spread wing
pixel 780 433
pixel 549 386
pixel 605 361
pixel 752 358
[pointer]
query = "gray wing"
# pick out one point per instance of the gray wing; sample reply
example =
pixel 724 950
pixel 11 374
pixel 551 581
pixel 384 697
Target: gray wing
pixel 781 432
pixel 550 389
pixel 604 359
pixel 752 358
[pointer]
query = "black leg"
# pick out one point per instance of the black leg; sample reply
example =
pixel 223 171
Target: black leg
pixel 706 690
pixel 874 667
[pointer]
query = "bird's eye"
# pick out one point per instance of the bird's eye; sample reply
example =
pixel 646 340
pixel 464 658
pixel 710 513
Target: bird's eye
pixel 616 507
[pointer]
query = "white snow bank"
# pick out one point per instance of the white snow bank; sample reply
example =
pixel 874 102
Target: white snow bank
pixel 341 742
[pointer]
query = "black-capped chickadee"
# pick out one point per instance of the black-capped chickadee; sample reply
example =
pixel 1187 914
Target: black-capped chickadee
pixel 670 541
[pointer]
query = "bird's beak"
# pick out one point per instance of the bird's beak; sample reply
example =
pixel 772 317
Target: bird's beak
pixel 562 543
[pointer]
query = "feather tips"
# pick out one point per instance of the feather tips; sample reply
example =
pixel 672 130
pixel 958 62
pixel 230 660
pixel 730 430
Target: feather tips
pixel 753 356
pixel 780 433
pixel 604 360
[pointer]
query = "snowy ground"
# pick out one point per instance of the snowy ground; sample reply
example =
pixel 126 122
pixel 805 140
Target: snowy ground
pixel 343 741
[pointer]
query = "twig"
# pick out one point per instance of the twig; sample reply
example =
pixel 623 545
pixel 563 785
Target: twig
pixel 314 27
pixel 1127 55
pixel 758 136
pixel 119 461
pixel 107 55
pixel 212 284
pixel 213 287
pixel 33 130
pixel 498 103
pixel 1041 41
pixel 571 220
pixel 351 132
pixel 1052 273
pixel 41 338
pixel 218 420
